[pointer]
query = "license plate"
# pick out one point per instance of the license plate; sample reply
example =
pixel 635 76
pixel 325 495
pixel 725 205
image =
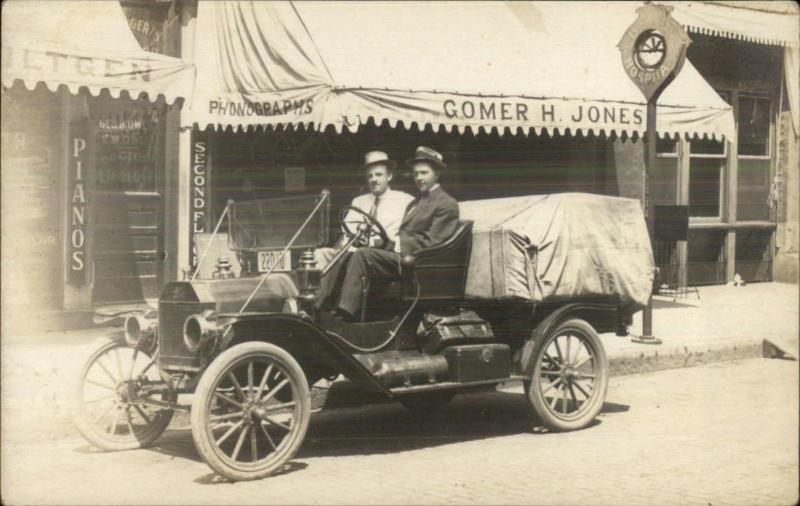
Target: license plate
pixel 266 259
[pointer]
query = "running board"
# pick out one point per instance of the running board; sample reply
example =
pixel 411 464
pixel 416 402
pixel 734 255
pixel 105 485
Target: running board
pixel 445 385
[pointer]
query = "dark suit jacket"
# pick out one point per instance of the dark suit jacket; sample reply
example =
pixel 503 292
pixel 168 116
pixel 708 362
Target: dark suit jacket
pixel 430 219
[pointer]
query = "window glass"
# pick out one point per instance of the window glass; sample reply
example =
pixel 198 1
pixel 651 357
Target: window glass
pixel 662 181
pixel 704 187
pixel 753 189
pixel 754 114
pixel 707 147
pixel 666 146
pixel 127 144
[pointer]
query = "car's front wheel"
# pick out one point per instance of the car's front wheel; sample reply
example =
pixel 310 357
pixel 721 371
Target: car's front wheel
pixel 109 404
pixel 251 410
pixel 569 376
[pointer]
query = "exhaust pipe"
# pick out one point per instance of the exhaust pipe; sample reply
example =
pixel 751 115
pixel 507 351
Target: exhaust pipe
pixel 199 329
pixel 141 328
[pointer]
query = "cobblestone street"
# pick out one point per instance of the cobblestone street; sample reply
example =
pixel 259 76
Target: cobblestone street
pixel 717 434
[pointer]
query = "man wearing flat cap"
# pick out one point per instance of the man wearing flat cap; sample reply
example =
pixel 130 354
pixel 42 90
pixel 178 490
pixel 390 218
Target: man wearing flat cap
pixel 430 219
pixel 386 205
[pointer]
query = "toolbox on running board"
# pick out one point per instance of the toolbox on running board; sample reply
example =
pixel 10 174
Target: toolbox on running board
pixel 477 362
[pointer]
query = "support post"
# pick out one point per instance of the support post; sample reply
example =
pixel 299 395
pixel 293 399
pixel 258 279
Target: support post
pixel 649 209
pixel 653 50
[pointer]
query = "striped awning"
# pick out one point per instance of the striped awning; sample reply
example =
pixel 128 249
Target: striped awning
pixel 85 44
pixel 507 67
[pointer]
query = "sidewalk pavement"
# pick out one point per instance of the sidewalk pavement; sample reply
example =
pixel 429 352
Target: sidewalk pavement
pixel 725 323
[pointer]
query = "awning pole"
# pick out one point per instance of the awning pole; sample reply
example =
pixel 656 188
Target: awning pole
pixel 649 209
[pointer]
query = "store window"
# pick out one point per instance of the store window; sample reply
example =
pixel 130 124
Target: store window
pixel 706 176
pixel 754 123
pixel 753 178
pixel 754 255
pixel 707 164
pixel 664 174
pixel 706 257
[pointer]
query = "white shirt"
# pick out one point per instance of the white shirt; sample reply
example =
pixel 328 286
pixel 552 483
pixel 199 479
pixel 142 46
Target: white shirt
pixel 391 208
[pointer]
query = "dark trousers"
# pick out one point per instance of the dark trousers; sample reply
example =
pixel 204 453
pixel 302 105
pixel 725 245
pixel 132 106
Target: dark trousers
pixel 375 266
pixel 330 283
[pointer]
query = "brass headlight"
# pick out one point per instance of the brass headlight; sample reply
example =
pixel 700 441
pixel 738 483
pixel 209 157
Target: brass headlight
pixel 199 329
pixel 141 328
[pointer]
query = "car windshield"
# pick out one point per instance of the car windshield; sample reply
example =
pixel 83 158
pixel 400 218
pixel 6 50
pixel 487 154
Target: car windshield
pixel 271 223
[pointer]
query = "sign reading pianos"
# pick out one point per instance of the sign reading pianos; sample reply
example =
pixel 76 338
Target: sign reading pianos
pixel 76 239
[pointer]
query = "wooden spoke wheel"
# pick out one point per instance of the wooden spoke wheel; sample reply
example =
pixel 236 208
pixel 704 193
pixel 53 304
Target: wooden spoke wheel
pixel 110 407
pixel 250 411
pixel 570 376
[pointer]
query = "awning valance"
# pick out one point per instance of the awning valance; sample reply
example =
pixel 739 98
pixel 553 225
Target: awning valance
pixel 762 22
pixel 88 44
pixel 775 22
pixel 486 66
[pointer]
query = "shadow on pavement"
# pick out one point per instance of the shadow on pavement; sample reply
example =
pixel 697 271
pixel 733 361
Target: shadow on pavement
pixel 390 428
pixel 215 479
pixel 613 407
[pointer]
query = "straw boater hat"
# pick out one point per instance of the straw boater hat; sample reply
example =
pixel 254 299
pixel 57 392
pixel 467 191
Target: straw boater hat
pixel 425 154
pixel 377 158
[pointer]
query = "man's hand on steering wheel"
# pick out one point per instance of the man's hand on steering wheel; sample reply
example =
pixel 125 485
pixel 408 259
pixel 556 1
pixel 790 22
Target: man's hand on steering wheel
pixel 365 228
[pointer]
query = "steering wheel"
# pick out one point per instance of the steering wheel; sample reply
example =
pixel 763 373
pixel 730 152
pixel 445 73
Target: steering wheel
pixel 373 227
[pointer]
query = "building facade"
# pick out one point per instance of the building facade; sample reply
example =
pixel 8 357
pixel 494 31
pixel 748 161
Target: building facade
pixel 84 173
pixel 110 190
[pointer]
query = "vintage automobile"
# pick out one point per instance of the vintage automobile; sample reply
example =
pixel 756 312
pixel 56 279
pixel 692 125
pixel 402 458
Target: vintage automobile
pixel 250 348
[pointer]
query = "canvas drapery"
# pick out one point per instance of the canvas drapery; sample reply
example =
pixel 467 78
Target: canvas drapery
pixel 87 44
pixel 509 67
pixel 775 23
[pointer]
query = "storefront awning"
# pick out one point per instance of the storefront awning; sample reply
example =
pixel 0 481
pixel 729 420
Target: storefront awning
pixel 486 66
pixel 88 44
pixel 762 22
pixel 772 22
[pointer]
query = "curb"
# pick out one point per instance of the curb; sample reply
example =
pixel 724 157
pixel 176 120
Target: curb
pixel 621 366
pixel 658 358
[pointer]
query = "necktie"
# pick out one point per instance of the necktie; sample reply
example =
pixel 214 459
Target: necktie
pixel 374 209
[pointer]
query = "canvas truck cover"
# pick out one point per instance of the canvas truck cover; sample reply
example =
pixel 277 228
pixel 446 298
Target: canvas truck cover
pixel 559 248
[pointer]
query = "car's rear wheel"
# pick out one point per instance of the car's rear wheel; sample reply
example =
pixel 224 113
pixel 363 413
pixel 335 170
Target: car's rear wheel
pixel 251 410
pixel 569 376
pixel 109 402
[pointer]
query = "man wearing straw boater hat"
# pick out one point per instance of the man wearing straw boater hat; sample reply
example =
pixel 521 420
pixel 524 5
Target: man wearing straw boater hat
pixel 430 219
pixel 386 205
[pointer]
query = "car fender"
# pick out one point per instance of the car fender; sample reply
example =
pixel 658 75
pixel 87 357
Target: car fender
pixel 306 341
pixel 592 313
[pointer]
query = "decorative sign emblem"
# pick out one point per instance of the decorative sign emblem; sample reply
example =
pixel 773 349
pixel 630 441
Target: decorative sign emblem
pixel 650 50
pixel 653 49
